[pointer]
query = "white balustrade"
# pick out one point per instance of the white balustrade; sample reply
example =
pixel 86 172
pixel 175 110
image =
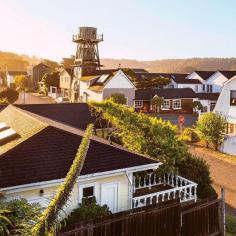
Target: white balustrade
pixel 182 188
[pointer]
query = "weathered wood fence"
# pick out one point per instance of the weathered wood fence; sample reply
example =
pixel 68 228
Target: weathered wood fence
pixel 165 219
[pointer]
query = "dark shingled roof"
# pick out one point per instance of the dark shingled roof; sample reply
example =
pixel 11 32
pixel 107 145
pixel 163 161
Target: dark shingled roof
pixel 204 74
pixel 228 74
pixel 49 154
pixel 73 114
pixel 187 81
pixel 162 75
pixel 169 93
pixel 14 73
pixel 208 96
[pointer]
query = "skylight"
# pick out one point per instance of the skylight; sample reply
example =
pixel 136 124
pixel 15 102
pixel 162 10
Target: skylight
pixel 102 78
pixel 7 135
pixel 2 126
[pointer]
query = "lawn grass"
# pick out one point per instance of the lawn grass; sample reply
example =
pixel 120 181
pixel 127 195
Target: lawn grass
pixel 230 225
pixel 219 155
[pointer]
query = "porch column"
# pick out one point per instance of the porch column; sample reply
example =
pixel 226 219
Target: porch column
pixel 130 188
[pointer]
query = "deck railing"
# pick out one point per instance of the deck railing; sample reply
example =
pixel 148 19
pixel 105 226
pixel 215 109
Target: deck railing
pixel 181 188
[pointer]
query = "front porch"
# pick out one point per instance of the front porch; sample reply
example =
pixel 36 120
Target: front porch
pixel 151 188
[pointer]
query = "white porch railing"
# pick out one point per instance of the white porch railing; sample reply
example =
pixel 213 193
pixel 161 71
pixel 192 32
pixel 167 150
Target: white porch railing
pixel 181 188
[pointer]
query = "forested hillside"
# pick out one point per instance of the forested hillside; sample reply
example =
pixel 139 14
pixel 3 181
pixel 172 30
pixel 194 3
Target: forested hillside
pixel 13 61
pixel 20 62
pixel 175 65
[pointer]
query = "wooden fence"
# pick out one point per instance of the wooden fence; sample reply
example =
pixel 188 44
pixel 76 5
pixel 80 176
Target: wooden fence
pixel 166 219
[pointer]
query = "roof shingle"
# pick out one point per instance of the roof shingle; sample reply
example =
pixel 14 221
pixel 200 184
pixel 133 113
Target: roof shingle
pixel 49 154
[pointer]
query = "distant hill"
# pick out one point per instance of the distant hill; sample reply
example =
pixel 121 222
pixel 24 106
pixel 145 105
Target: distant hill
pixel 13 61
pixel 21 62
pixel 174 65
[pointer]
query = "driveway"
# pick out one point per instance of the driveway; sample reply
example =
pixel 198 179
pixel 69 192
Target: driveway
pixel 33 98
pixel 223 172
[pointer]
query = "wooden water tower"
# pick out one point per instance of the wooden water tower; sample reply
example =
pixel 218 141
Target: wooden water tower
pixel 87 55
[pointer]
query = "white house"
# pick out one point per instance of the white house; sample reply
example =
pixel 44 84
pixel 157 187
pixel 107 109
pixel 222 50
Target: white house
pixel 226 105
pixel 66 78
pixel 30 168
pixel 101 86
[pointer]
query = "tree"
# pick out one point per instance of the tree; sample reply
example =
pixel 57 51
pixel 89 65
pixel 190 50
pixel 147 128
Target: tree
pixel 211 128
pixel 21 82
pixel 155 138
pixel 48 220
pixel 119 98
pixel 155 82
pixel 197 106
pixel 197 170
pixel 157 102
pixel 10 95
pixel 143 134
pixel 51 79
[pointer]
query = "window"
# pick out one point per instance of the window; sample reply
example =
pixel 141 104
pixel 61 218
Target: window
pixel 231 128
pixel 177 104
pixel 203 87
pixel 209 88
pixel 166 105
pixel 233 98
pixel 138 104
pixel 196 88
pixel 88 193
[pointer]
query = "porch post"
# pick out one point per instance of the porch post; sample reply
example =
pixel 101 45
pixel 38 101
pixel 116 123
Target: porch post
pixel 130 188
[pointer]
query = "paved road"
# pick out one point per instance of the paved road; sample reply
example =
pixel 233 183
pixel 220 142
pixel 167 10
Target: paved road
pixel 223 174
pixel 173 118
pixel 31 98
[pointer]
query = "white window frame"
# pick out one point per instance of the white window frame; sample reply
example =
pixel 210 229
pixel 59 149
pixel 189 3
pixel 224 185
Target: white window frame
pixel 164 108
pixel 139 102
pixel 95 191
pixel 176 108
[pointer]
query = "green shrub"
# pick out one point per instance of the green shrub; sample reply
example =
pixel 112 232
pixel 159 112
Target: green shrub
pixel 231 224
pixel 10 95
pixel 211 128
pixel 88 210
pixel 190 135
pixel 119 98
pixel 197 170
pixel 21 214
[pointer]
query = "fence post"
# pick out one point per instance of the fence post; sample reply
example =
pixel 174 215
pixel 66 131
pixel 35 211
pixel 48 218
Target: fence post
pixel 223 211
pixel 90 229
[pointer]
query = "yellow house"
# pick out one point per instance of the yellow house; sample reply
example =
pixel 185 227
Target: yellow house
pixel 36 157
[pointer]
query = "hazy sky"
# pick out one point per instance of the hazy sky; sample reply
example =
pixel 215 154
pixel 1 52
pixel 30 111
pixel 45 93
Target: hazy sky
pixel 141 29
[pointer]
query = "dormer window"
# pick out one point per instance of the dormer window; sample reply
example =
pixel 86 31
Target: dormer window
pixel 233 98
